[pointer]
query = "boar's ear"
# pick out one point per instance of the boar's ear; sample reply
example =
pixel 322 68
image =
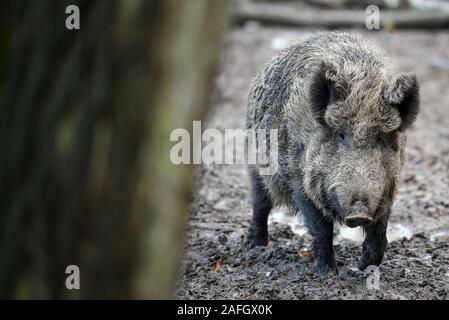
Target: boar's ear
pixel 322 89
pixel 402 92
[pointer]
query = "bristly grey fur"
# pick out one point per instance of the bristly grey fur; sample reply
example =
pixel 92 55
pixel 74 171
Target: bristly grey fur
pixel 341 114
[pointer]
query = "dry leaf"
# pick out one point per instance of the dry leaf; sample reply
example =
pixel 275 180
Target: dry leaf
pixel 303 253
pixel 217 266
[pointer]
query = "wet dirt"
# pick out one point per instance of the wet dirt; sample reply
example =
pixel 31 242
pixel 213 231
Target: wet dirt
pixel 217 263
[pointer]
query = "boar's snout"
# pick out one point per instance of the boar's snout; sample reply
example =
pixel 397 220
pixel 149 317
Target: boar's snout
pixel 357 220
pixel 359 215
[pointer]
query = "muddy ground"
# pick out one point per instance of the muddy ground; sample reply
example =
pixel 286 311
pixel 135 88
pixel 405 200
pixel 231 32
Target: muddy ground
pixel 217 263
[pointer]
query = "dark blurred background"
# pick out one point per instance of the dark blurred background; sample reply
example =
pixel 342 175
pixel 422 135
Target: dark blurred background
pixel 85 122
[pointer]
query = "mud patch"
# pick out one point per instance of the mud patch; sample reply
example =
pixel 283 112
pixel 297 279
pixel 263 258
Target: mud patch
pixel 217 263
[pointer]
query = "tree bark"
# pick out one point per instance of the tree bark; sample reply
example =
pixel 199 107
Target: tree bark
pixel 85 172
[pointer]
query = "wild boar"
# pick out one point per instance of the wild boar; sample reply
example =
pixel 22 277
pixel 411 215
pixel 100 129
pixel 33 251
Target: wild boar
pixel 342 116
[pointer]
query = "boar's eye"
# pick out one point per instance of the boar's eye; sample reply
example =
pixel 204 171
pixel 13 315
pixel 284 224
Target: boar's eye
pixel 341 138
pixel 380 140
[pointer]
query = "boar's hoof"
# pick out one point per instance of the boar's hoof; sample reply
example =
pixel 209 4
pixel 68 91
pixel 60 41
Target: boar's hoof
pixel 325 270
pixel 257 239
pixel 258 242
pixel 358 219
pixel 326 265
pixel 372 258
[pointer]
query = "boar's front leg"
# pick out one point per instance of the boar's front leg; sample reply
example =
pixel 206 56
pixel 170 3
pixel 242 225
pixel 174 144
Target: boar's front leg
pixel 258 233
pixel 322 233
pixel 374 244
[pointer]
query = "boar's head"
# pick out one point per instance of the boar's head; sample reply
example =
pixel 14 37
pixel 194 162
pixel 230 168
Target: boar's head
pixel 355 155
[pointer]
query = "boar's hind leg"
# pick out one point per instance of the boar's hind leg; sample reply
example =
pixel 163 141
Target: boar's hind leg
pixel 322 233
pixel 374 244
pixel 261 209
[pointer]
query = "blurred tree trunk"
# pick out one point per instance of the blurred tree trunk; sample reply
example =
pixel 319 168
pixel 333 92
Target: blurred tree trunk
pixel 85 172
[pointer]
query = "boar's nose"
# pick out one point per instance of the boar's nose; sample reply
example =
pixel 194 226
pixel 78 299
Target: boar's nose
pixel 358 214
pixel 358 219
